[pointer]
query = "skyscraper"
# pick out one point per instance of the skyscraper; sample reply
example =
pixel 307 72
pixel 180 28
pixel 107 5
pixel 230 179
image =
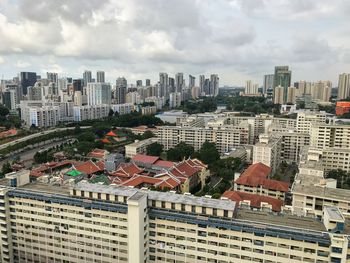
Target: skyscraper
pixel 148 82
pixel 214 85
pixel 52 77
pixel 282 78
pixel 251 88
pixel 171 84
pixel 344 86
pixel 179 82
pixel 120 90
pixel 191 81
pixel 100 76
pixel 98 93
pixel 27 79
pixel 164 84
pixel 201 84
pixel 139 83
pixel 77 85
pixel 268 83
pixel 87 77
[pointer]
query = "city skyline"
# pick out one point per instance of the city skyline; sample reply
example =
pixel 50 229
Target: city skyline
pixel 237 43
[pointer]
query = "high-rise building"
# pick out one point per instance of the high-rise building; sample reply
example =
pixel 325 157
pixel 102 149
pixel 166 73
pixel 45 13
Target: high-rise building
pixel 214 85
pixel 201 84
pixel 9 99
pixel 163 84
pixel 100 76
pixel 62 84
pixel 268 83
pixel 27 79
pixel 98 93
pixel 171 84
pixel 52 77
pixel 139 83
pixel 35 92
pixel 191 81
pixel 179 82
pixel 251 88
pixel 278 96
pixel 87 77
pixel 77 85
pixel 148 82
pixel 291 95
pixel 282 77
pixel 120 90
pixel 344 86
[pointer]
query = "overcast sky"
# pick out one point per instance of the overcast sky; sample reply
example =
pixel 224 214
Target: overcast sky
pixel 237 39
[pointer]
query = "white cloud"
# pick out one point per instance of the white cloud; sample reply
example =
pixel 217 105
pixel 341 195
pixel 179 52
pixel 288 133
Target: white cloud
pixel 234 38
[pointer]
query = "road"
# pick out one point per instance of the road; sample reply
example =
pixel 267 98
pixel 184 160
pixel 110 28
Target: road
pixel 27 156
pixel 3 146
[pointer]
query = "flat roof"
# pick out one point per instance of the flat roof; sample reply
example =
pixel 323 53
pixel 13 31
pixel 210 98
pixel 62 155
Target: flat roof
pixel 284 220
pixel 325 192
pixel 47 188
pixel 334 213
pixel 158 196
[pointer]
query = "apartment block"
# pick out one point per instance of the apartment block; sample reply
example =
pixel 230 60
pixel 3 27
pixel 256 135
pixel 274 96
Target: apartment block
pixel 97 223
pixel 306 119
pixel 90 112
pixel 312 192
pixel 138 147
pixel 268 151
pixel 326 135
pixel 226 137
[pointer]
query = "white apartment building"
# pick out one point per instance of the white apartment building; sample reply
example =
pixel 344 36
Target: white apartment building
pixel 278 95
pixel 138 147
pixel 325 136
pixel 307 118
pixel 98 93
pixel 175 99
pixel 225 137
pixel 312 192
pixel 122 109
pixel 90 112
pixel 268 151
pixel 97 223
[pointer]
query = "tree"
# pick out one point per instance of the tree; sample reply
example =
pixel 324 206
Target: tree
pixel 85 147
pixel 86 136
pixel 77 129
pixel 147 134
pixel 4 111
pixel 110 113
pixel 341 176
pixel 208 153
pixel 154 149
pixel 6 168
pixel 179 152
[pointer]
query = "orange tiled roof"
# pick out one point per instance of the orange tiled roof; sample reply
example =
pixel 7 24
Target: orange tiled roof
pixel 97 153
pixel 112 134
pixel 257 174
pixel 88 168
pixel 127 170
pixel 255 200
pixel 142 158
pixel 165 164
pixel 157 182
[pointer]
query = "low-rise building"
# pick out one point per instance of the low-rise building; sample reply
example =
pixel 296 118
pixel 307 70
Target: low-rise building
pixel 138 147
pixel 255 180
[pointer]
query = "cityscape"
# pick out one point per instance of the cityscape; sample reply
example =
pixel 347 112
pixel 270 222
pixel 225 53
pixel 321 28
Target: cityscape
pixel 182 162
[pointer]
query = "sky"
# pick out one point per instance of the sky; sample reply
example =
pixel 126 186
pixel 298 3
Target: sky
pixel 237 39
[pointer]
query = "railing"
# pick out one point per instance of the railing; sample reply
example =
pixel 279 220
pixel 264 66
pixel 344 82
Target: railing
pixel 58 199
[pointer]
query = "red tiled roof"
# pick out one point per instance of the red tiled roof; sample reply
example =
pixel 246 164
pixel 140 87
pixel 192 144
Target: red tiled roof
pixel 257 170
pixel 101 165
pixel 257 174
pixel 127 170
pixel 186 169
pixel 112 134
pixel 255 200
pixel 157 182
pixel 166 164
pixel 105 140
pixel 39 171
pixel 142 158
pixel 88 168
pixel 97 153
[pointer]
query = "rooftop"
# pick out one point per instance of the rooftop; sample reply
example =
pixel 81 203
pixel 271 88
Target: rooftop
pixel 312 190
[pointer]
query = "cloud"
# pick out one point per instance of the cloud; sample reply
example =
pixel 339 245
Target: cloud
pixel 135 37
pixel 2 60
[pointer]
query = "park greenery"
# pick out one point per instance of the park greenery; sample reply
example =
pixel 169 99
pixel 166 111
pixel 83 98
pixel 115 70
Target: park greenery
pixel 253 105
pixel 7 120
pixel 154 149
pixel 199 106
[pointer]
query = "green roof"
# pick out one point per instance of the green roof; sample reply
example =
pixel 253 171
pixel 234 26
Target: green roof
pixel 100 179
pixel 74 173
